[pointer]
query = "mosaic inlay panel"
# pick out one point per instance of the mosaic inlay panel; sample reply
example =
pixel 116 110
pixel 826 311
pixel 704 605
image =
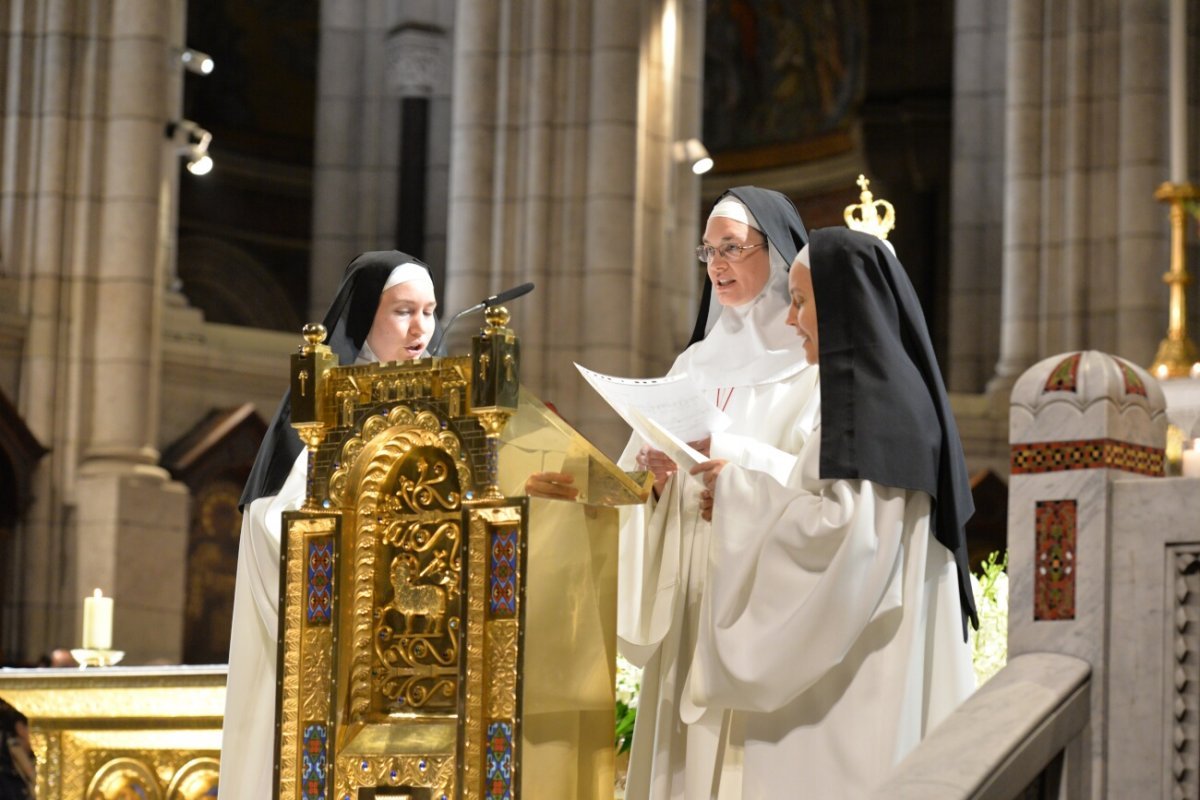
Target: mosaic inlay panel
pixel 319 603
pixel 1064 377
pixel 1040 457
pixel 499 761
pixel 313 771
pixel 1055 567
pixel 1133 383
pixel 503 592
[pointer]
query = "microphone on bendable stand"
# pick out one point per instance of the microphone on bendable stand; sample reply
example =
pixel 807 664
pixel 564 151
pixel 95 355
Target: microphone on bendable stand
pixel 494 300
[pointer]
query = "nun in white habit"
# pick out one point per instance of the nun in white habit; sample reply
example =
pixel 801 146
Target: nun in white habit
pixel 383 311
pixel 754 369
pixel 831 637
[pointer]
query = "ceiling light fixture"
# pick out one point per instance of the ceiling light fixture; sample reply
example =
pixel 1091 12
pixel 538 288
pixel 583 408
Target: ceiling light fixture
pixel 193 142
pixel 196 61
pixel 695 155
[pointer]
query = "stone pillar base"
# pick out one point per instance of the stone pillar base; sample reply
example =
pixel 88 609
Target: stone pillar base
pixel 131 542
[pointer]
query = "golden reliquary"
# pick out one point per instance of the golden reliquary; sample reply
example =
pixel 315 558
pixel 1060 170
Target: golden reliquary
pixel 441 635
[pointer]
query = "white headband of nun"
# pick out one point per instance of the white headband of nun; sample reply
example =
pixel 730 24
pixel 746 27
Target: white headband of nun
pixel 732 208
pixel 406 273
pixel 802 258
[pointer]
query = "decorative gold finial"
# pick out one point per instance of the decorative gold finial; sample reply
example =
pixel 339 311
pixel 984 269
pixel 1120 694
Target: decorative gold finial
pixel 868 219
pixel 313 333
pixel 497 319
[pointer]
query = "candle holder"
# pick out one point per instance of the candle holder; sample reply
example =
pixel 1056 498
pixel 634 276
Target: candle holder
pixel 88 657
pixel 1177 355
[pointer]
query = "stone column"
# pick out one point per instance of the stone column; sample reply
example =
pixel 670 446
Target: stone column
pixel 562 173
pixel 1084 240
pixel 353 171
pixel 1079 423
pixel 1022 192
pixel 372 55
pixel 85 105
pixel 34 203
pixel 1142 227
pixel 977 186
pixel 130 519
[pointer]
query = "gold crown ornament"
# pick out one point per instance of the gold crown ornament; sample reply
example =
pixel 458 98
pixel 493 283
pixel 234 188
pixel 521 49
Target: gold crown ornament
pixel 868 219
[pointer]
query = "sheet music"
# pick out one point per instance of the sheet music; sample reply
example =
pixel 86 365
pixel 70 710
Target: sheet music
pixel 673 403
pixel 680 452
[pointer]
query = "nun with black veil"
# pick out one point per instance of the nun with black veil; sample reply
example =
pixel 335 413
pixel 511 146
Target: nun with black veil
pixel 831 634
pixel 754 369
pixel 383 311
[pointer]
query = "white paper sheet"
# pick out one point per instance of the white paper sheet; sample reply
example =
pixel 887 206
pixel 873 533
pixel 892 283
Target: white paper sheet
pixel 683 454
pixel 673 403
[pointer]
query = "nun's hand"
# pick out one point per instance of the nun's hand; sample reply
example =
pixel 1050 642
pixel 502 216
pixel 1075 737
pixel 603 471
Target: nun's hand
pixel 659 463
pixel 702 446
pixel 706 505
pixel 551 485
pixel 708 472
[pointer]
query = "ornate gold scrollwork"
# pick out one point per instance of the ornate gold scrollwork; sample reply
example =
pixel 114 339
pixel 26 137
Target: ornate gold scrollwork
pixel 406 632
pixel 420 659
pixel 353 772
pixel 502 667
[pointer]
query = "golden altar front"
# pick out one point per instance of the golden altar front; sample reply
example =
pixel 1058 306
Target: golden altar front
pixel 441 635
pixel 127 732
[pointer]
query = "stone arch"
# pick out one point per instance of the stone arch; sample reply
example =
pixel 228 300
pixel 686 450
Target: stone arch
pixel 233 287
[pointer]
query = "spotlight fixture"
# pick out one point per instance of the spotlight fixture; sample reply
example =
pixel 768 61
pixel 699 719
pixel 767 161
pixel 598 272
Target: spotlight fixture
pixel 196 61
pixel 693 153
pixel 193 142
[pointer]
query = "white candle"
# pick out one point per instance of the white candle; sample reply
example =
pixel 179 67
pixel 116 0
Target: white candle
pixel 97 621
pixel 1177 89
pixel 1191 461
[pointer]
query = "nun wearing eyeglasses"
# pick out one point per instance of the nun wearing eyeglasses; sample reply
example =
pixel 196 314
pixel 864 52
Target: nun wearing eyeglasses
pixel 383 311
pixel 745 359
pixel 831 637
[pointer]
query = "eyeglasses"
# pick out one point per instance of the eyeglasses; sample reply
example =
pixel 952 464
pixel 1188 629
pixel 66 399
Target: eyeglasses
pixel 727 250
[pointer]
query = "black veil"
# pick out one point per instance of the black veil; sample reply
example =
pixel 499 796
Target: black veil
pixel 885 415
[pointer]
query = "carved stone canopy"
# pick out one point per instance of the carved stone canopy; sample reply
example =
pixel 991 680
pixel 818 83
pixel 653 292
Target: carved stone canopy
pixel 1087 395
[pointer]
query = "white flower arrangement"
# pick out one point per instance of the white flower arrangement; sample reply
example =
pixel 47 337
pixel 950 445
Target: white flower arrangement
pixel 989 644
pixel 629 685
pixel 629 682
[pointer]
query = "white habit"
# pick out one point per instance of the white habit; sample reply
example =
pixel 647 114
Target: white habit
pixel 663 575
pixel 827 642
pixel 248 734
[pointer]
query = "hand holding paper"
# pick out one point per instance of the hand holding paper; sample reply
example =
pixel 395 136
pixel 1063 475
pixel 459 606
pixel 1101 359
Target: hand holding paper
pixel 664 411
pixel 680 452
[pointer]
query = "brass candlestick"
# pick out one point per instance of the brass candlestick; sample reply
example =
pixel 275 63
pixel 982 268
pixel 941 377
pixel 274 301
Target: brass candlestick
pixel 1177 354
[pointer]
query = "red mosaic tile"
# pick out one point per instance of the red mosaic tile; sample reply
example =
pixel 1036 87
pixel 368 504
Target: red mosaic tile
pixel 1038 457
pixel 1054 565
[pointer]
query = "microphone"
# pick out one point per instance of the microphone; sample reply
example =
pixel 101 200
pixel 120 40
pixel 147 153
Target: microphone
pixel 488 302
